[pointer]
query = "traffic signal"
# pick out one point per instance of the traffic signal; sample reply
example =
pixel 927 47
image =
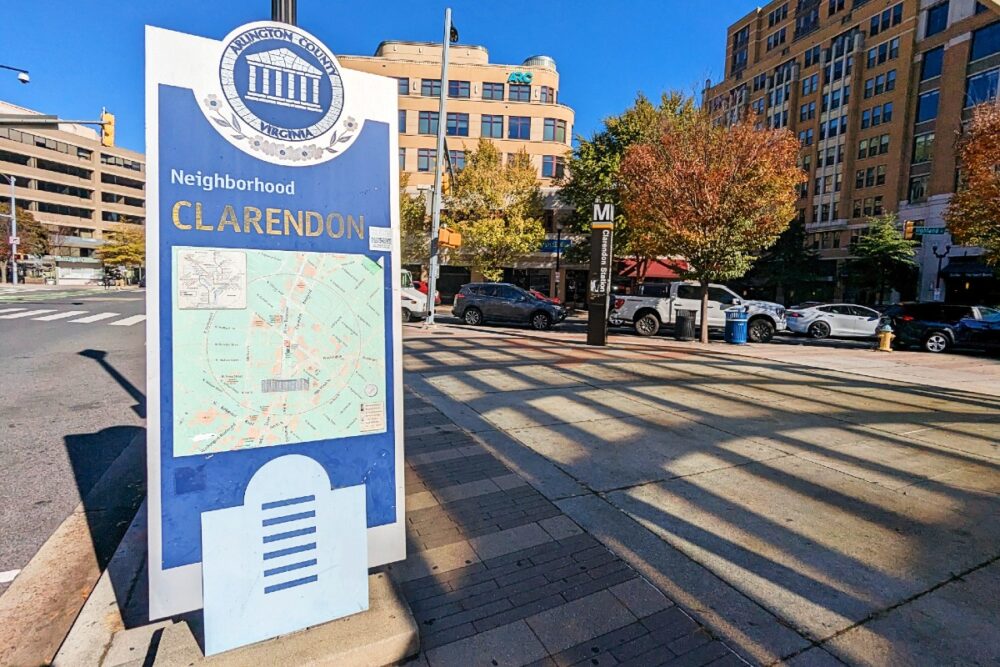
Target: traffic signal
pixel 908 227
pixel 448 238
pixel 107 128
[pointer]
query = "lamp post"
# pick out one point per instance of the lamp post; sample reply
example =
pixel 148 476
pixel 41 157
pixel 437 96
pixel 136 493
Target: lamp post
pixel 22 74
pixel 937 277
pixel 450 35
pixel 558 257
pixel 13 227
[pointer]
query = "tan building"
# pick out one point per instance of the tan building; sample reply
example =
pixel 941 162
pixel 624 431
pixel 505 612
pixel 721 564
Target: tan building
pixel 74 186
pixel 844 76
pixel 515 106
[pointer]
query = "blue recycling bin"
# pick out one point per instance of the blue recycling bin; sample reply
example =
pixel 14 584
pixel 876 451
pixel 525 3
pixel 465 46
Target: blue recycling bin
pixel 736 326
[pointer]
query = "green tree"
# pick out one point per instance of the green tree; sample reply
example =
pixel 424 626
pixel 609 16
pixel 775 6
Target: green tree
pixel 788 267
pixel 34 237
pixel 497 208
pixel 415 225
pixel 973 215
pixel 594 173
pixel 882 257
pixel 716 195
pixel 124 247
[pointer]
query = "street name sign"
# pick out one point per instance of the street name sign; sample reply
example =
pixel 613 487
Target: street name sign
pixel 275 451
pixel 601 260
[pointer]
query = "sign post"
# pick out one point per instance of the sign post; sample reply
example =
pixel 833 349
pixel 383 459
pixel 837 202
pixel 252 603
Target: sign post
pixel 275 450
pixel 601 259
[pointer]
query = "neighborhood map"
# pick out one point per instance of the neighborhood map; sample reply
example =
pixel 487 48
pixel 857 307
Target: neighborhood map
pixel 275 347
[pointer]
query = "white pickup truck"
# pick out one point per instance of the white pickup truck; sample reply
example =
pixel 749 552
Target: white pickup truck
pixel 412 300
pixel 658 305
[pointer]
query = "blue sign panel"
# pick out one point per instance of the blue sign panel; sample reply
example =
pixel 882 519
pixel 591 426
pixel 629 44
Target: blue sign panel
pixel 273 295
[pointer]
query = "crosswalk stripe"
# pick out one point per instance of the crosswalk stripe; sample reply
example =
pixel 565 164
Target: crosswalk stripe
pixel 14 316
pixel 128 321
pixel 10 310
pixel 8 576
pixel 95 318
pixel 59 316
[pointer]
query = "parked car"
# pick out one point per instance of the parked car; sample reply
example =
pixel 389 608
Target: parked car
pixel 538 295
pixel 423 286
pixel 477 303
pixel 412 302
pixel 834 319
pixel 982 333
pixel 648 313
pixel 933 327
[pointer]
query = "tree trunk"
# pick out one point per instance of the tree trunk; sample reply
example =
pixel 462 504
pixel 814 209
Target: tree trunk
pixel 704 311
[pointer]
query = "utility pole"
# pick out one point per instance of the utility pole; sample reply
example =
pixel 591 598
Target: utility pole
pixel 432 268
pixel 937 278
pixel 13 227
pixel 284 11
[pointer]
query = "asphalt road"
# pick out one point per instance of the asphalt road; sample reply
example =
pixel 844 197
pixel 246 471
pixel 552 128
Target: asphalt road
pixel 72 368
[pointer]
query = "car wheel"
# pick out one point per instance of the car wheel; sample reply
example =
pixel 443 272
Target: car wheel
pixel 473 316
pixel 541 321
pixel 819 330
pixel 936 341
pixel 647 325
pixel 761 330
pixel 407 315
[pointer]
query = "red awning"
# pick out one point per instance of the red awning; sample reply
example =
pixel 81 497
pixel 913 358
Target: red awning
pixel 663 267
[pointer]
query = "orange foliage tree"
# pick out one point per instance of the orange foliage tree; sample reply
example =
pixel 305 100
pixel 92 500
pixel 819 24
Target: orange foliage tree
pixel 973 216
pixel 717 196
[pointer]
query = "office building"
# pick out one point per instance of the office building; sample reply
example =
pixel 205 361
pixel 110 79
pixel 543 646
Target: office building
pixel 865 85
pixel 74 186
pixel 515 106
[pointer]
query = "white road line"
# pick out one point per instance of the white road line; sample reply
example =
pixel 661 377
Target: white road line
pixel 10 310
pixel 95 318
pixel 128 321
pixel 8 576
pixel 14 316
pixel 59 316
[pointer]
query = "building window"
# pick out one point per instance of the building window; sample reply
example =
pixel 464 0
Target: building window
pixel 806 137
pixel 519 127
pixel 880 175
pixel 553 166
pixel 883 52
pixel 492 91
pixel 807 111
pixel 811 56
pixel 547 94
pixel 519 92
pixel 885 20
pixel 430 87
pixel 883 144
pixel 458 125
pixel 981 88
pixel 923 148
pixel 458 89
pixel 776 39
pixel 428 122
pixel 402 85
pixel 930 66
pixel 554 130
pixel 492 126
pixel 426 159
pixel 402 159
pixel 457 160
pixel 985 41
pixel 918 188
pixel 863 149
pixel 927 106
pixel 835 6
pixel 810 84
pixel 937 19
pixel 402 121
pixel 877 205
pixel 777 16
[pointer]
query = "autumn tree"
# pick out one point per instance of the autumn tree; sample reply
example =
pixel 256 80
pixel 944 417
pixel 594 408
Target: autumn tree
pixel 973 216
pixel 716 195
pixel 124 247
pixel 34 237
pixel 882 257
pixel 497 208
pixel 415 225
pixel 594 172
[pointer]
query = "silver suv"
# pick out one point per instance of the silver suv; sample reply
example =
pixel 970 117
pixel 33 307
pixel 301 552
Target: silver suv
pixel 477 303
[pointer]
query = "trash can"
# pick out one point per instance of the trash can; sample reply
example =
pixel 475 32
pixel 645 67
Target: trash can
pixel 736 326
pixel 684 324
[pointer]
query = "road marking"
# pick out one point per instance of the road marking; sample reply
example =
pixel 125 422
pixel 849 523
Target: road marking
pixel 95 318
pixel 14 316
pixel 10 310
pixel 59 316
pixel 8 576
pixel 128 321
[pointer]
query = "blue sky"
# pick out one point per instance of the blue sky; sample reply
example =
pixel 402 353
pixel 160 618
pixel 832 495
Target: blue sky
pixel 85 55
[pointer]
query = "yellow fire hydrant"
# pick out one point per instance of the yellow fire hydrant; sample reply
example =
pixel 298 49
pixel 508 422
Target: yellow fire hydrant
pixel 885 337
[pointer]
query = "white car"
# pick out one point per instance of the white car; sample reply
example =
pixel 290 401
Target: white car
pixel 412 300
pixel 846 320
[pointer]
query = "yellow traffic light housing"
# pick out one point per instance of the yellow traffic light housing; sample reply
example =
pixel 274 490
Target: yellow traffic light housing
pixel 107 128
pixel 448 238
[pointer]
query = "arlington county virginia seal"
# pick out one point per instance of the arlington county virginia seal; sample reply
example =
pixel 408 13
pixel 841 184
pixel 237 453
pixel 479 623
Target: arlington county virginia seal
pixel 284 92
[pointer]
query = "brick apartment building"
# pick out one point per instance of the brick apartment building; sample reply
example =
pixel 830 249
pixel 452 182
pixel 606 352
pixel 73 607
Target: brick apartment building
pixel 876 91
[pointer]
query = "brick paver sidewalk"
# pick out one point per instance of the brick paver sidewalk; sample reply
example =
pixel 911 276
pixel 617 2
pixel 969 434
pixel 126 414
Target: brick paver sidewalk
pixel 496 575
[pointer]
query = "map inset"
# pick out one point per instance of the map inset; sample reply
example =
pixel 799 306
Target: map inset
pixel 275 347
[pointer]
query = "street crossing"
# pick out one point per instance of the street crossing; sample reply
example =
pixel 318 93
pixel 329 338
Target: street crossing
pixel 11 294
pixel 79 316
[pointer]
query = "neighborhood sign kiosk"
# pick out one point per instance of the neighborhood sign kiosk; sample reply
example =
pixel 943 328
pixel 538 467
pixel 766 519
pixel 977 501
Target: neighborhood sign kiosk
pixel 275 449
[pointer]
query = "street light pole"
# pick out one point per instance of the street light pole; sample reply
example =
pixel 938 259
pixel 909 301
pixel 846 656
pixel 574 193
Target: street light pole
pixel 13 227
pixel 432 269
pixel 937 278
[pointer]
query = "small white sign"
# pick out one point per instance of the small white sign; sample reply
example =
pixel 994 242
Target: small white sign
pixel 380 239
pixel 14 240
